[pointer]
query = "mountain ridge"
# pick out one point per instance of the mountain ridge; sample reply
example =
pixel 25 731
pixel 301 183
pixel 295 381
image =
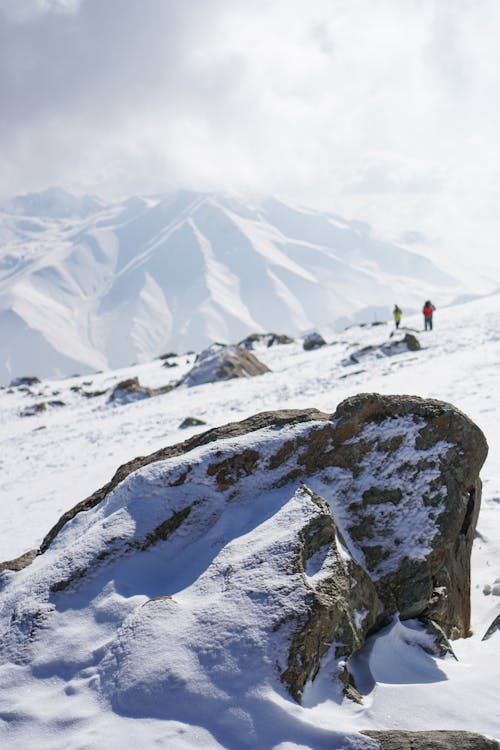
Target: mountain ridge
pixel 105 285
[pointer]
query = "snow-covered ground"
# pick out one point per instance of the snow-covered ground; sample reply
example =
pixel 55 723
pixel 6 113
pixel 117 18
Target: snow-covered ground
pixel 54 459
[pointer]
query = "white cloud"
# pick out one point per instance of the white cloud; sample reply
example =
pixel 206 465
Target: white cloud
pixel 387 111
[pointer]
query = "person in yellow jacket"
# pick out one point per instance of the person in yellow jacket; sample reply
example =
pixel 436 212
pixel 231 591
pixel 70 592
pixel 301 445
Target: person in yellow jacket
pixel 397 313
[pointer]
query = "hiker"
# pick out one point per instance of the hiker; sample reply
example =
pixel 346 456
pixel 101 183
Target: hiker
pixel 397 313
pixel 427 310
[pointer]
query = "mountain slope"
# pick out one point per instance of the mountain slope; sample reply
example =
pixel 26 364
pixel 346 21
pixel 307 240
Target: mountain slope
pixel 104 286
pixel 62 454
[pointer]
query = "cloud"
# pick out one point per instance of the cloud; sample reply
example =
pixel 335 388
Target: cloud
pixel 331 103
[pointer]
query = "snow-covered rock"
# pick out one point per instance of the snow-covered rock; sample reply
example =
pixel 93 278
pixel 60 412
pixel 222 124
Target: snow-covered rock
pixel 249 557
pixel 254 340
pixel 312 341
pixel 220 362
pixel 399 345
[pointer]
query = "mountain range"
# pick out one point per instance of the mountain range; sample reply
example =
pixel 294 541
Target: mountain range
pixel 86 285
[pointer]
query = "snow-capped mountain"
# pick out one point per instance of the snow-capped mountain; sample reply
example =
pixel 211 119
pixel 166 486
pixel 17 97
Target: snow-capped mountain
pixel 86 285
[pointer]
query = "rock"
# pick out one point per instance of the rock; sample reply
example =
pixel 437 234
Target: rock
pixel 19 562
pixel 408 343
pixel 93 394
pixel 443 504
pixel 309 530
pixel 313 341
pixel 24 380
pixel 395 739
pixel 34 409
pixel 495 625
pixel 220 362
pixel 168 355
pixel 266 339
pixel 129 390
pixel 399 346
pixel 191 422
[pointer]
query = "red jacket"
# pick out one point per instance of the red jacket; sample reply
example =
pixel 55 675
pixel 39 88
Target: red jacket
pixel 428 310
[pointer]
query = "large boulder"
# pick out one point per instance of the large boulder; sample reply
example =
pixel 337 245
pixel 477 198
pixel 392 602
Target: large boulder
pixel 256 549
pixel 220 362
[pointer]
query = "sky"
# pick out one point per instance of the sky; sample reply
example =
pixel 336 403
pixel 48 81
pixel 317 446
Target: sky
pixel 381 110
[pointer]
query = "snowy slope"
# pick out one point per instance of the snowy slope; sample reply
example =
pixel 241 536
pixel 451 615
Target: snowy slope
pixel 52 460
pixel 86 286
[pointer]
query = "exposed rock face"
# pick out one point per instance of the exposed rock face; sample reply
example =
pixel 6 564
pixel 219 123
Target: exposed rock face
pixel 220 362
pixel 436 740
pixel 313 341
pixel 309 531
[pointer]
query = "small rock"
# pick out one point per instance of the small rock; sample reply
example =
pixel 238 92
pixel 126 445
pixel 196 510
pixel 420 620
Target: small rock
pixel 191 422
pixel 129 390
pixel 268 339
pixel 31 411
pixel 495 625
pixel 24 380
pixel 313 341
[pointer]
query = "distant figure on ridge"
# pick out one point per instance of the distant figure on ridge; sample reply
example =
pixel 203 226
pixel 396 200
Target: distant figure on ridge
pixel 427 310
pixel 397 313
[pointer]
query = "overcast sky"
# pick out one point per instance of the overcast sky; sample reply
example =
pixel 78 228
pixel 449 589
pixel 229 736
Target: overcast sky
pixel 382 110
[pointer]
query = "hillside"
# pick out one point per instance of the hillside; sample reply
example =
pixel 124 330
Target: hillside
pixel 86 675
pixel 88 286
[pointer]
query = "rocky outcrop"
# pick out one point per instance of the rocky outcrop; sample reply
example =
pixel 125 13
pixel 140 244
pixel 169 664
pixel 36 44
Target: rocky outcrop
pixel 220 362
pixel 433 740
pixel 309 531
pixel 312 341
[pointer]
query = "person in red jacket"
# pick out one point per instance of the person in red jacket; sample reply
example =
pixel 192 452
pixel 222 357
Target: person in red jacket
pixel 427 310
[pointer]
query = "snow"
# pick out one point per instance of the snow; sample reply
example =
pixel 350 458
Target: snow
pixel 88 687
pixel 100 286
